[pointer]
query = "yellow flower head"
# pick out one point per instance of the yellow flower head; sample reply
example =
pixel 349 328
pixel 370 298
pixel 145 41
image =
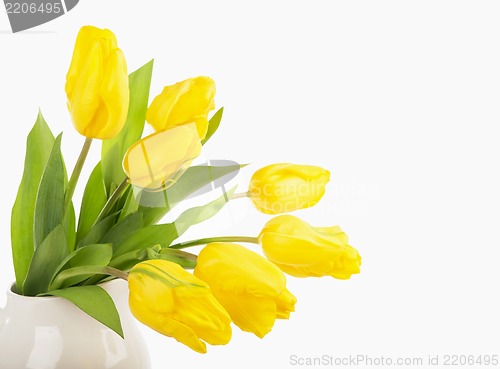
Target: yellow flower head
pixel 97 84
pixel 185 102
pixel 251 289
pixel 158 160
pixel 304 251
pixel 281 188
pixel 175 303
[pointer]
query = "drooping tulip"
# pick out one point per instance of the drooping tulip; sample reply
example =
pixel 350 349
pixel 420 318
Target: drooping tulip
pixel 156 161
pixel 281 188
pixel 249 287
pixel 305 251
pixel 177 304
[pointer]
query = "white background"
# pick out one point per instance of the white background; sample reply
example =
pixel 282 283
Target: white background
pixel 398 99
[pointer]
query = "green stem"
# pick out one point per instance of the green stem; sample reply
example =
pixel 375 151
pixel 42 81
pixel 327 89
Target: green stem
pixel 85 270
pixel 76 174
pixel 240 195
pixel 116 273
pixel 204 241
pixel 112 200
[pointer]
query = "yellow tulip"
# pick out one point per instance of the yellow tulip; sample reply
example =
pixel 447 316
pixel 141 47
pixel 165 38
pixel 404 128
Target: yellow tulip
pixel 251 289
pixel 281 188
pixel 175 303
pixel 158 160
pixel 185 102
pixel 97 84
pixel 304 251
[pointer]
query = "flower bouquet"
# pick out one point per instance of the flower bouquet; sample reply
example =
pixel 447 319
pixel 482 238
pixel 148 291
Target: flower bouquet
pixel 119 231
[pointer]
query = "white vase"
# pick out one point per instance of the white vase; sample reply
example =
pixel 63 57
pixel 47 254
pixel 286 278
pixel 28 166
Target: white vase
pixel 52 333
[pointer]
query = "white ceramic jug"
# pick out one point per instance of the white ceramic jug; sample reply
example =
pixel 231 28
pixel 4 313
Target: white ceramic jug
pixel 50 333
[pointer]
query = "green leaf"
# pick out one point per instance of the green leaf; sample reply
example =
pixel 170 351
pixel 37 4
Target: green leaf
pixel 120 203
pixel 113 150
pixel 213 125
pixel 97 254
pixel 201 213
pixel 46 259
pixel 159 234
pixel 94 301
pixel 124 262
pixel 81 273
pixel 131 204
pixel 69 223
pixel 165 234
pixel 129 259
pixel 69 219
pixel 98 231
pixel 49 207
pixel 38 147
pixel 155 205
pixel 94 199
pixel 90 255
pixel 121 231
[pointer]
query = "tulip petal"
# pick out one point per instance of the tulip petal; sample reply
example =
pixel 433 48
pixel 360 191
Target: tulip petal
pixel 167 326
pixel 183 334
pixel 251 313
pixel 162 105
pixel 347 265
pixel 110 117
pixel 285 304
pixel 83 45
pixel 158 160
pixel 249 287
pixel 97 84
pixel 281 188
pixel 175 303
pixel 85 100
pixel 304 251
pixel 184 102
pixel 202 125
pixel 334 231
pixel 195 103
pixel 206 317
pixel 151 292
pixel 253 274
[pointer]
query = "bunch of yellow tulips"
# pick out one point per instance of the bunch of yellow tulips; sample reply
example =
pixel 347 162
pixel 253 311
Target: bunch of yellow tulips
pixel 229 283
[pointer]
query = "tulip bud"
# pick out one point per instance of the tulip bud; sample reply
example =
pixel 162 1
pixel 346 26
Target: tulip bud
pixel 251 289
pixel 281 188
pixel 175 303
pixel 157 161
pixel 97 84
pixel 185 102
pixel 304 251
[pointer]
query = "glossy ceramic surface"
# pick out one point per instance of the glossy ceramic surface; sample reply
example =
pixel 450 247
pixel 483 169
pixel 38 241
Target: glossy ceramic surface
pixel 52 333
